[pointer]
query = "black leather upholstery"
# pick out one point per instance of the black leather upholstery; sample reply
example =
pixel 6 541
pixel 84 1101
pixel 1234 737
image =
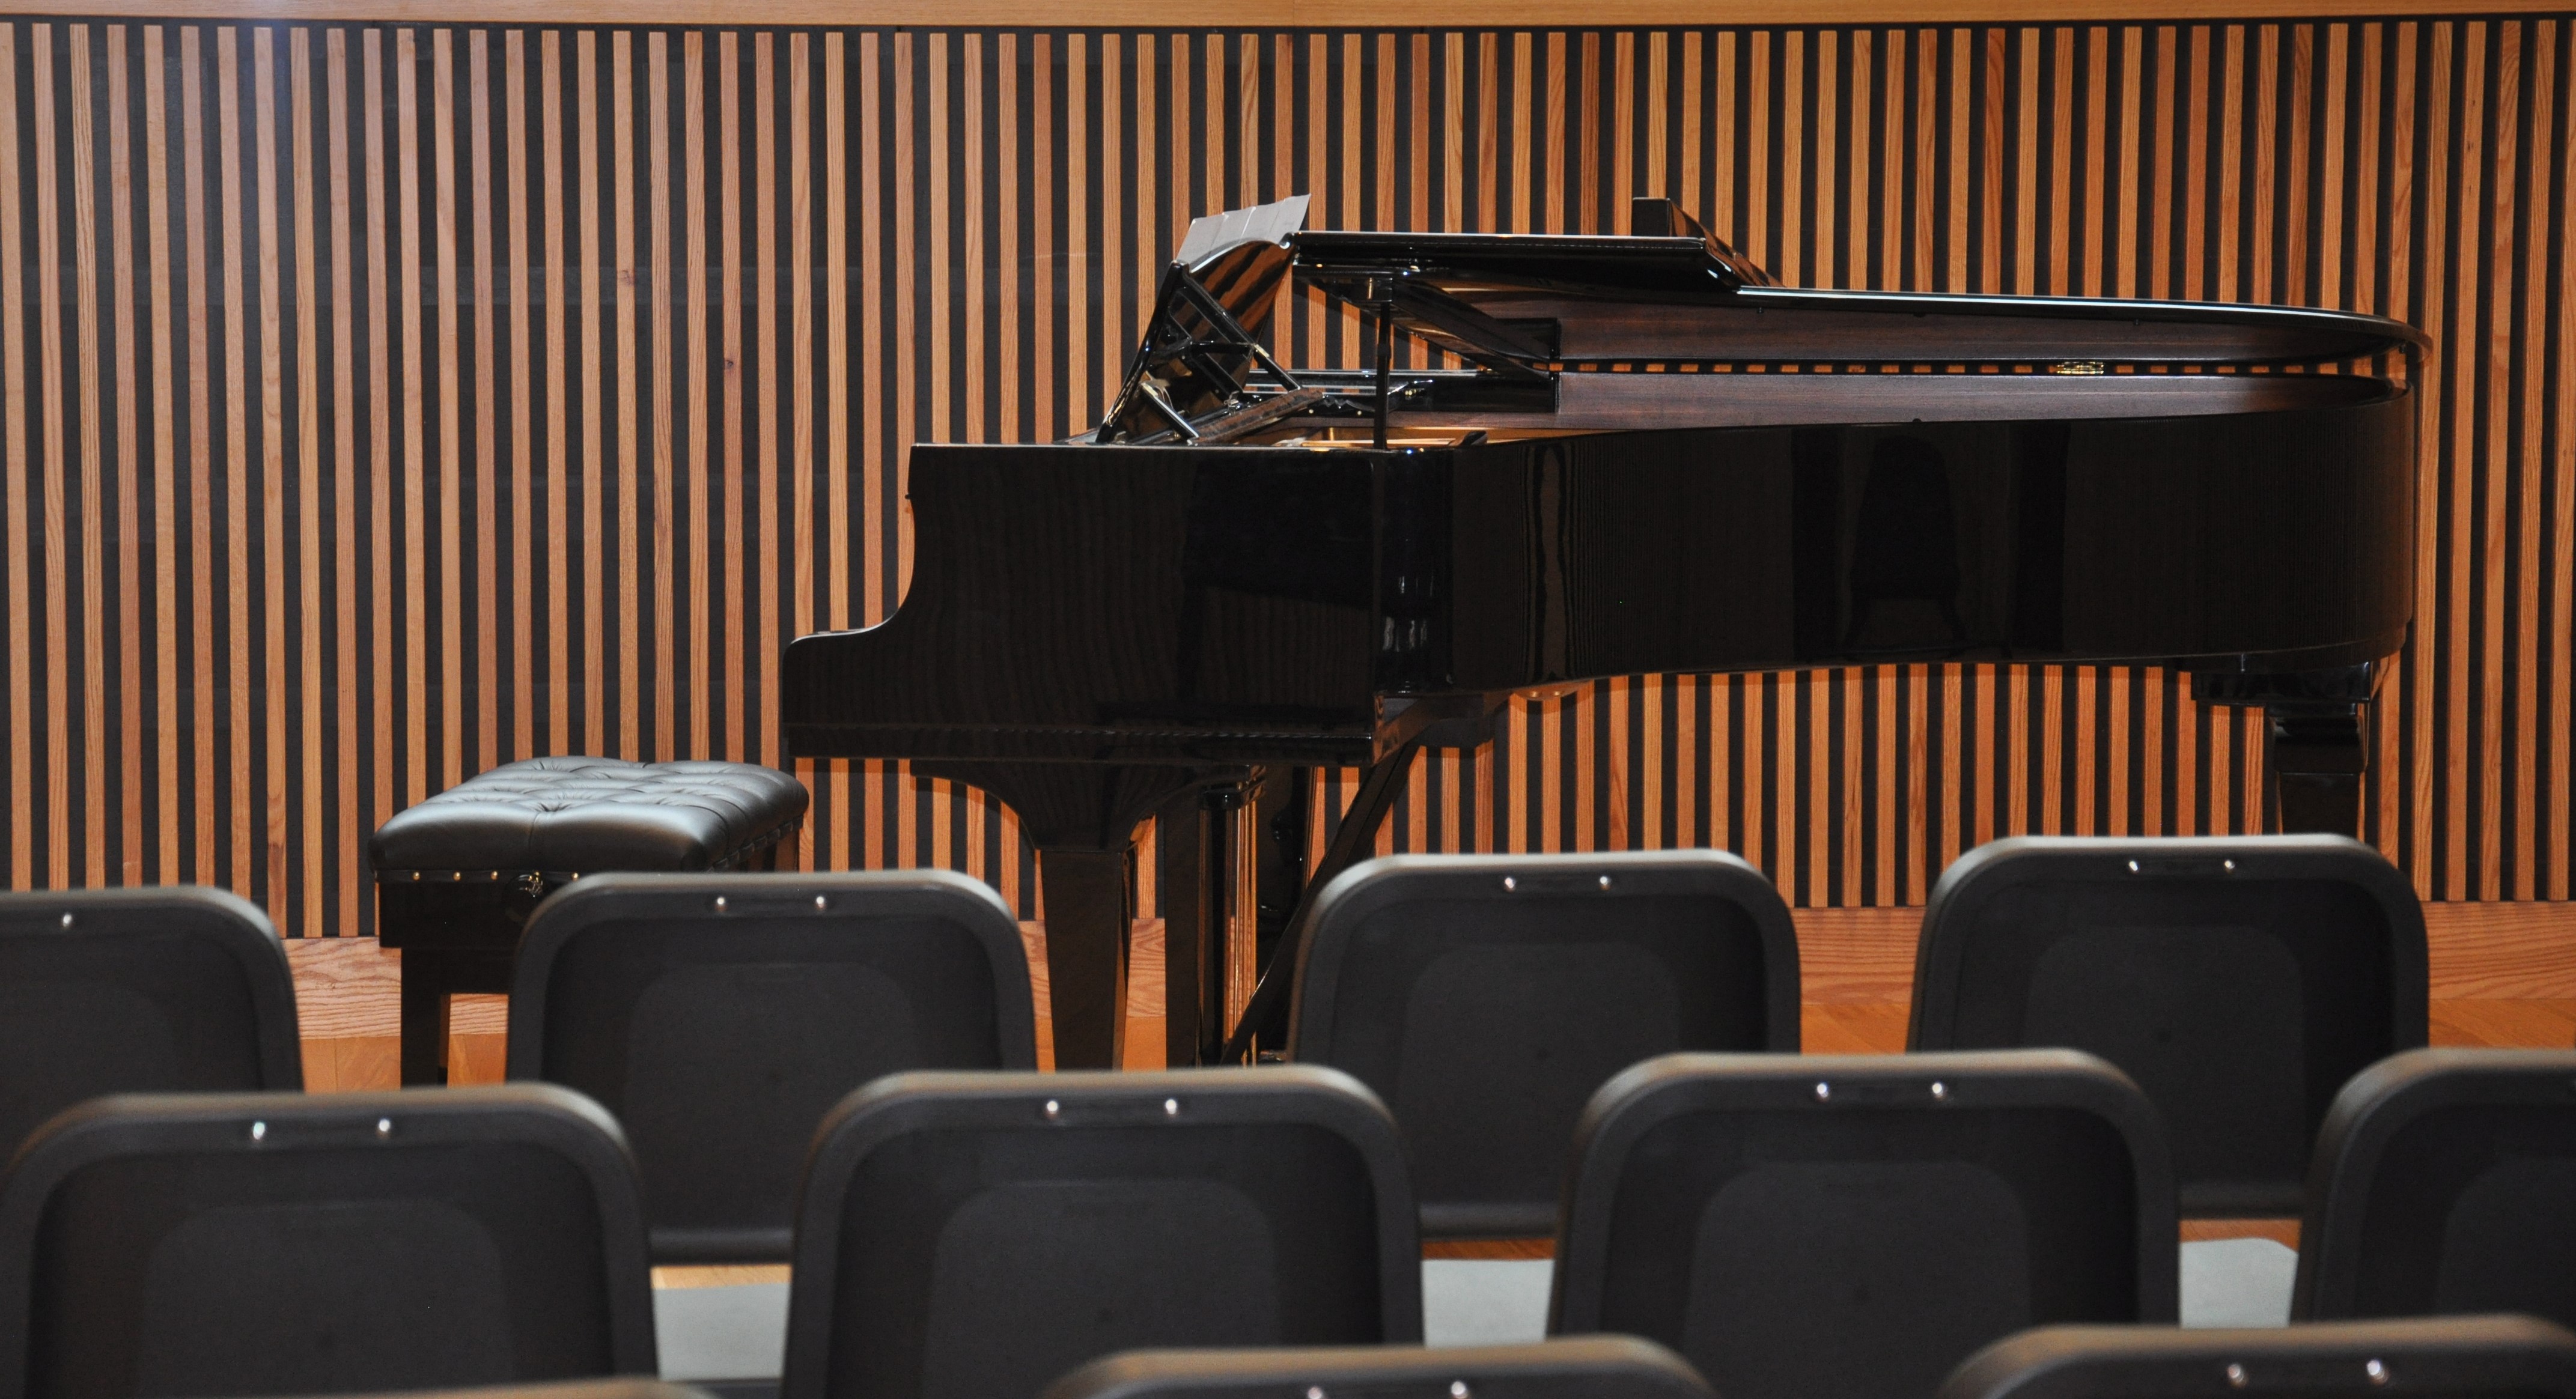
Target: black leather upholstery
pixel 565 816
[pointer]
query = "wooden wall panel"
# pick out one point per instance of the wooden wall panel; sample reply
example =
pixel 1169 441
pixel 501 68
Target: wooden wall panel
pixel 385 401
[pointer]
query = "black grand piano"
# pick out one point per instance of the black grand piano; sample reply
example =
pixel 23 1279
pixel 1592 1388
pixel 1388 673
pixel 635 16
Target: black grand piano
pixel 1644 457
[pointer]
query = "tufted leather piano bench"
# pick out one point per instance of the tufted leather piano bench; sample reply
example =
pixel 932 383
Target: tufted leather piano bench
pixel 458 875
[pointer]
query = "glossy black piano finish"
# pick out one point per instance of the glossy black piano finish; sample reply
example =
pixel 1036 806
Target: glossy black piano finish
pixel 1093 629
pixel 1247 605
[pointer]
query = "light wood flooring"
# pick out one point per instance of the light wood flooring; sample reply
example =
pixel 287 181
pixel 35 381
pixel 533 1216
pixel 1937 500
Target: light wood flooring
pixel 2502 974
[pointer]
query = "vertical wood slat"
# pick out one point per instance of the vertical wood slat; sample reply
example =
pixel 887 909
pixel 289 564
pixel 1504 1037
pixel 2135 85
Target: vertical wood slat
pixel 384 401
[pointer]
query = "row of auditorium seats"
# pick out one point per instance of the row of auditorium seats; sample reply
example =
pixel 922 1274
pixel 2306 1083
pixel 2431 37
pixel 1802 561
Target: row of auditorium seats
pixel 2485 1357
pixel 2239 983
pixel 2498 1357
pixel 1826 1227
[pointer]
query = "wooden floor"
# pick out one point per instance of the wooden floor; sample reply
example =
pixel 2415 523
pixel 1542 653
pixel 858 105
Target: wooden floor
pixel 2502 974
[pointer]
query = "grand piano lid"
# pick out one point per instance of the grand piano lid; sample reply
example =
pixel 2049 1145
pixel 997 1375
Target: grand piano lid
pixel 1597 262
pixel 1665 251
pixel 1678 297
pixel 1532 313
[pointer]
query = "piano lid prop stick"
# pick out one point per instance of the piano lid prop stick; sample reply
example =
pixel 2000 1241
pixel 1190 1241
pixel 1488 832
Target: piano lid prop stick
pixel 1353 842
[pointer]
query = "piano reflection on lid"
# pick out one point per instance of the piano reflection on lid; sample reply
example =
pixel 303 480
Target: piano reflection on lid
pixel 1649 458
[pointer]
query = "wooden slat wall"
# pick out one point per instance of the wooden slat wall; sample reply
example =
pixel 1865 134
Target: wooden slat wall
pixel 383 402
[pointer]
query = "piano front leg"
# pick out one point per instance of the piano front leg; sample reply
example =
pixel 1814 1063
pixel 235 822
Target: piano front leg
pixel 1090 913
pixel 1082 817
pixel 2314 757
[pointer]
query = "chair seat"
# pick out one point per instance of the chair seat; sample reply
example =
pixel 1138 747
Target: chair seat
pixel 566 816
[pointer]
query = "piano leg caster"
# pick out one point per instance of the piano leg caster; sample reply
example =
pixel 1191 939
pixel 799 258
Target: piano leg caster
pixel 1088 923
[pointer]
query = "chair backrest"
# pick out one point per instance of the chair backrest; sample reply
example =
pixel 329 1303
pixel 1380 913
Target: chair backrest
pixel 275 1244
pixel 973 1236
pixel 720 1016
pixel 2238 980
pixel 562 1389
pixel 1582 1367
pixel 2445 1182
pixel 1852 1226
pixel 138 991
pixel 1486 997
pixel 2478 1357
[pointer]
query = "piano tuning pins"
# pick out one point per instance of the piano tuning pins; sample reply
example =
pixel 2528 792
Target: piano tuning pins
pixel 1605 884
pixel 1509 884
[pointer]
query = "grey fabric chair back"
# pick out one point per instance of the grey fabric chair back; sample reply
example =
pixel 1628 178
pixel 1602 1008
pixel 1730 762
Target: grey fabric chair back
pixel 279 1244
pixel 1583 1367
pixel 152 990
pixel 1852 1227
pixel 719 1016
pixel 1486 997
pixel 2470 1357
pixel 563 1389
pixel 2445 1182
pixel 974 1236
pixel 2239 980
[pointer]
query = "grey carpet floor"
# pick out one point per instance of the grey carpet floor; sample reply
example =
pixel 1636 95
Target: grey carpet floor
pixel 741 1331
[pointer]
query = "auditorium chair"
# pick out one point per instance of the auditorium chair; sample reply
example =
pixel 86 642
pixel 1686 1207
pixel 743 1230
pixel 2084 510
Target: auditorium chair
pixel 2238 980
pixel 2469 1357
pixel 278 1244
pixel 1853 1226
pixel 2445 1182
pixel 720 1016
pixel 135 991
pixel 1485 997
pixel 1586 1367
pixel 565 1389
pixel 983 1233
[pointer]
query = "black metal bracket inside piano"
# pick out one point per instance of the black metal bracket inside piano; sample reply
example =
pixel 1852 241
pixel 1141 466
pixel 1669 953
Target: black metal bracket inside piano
pixel 1195 383
pixel 1514 350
